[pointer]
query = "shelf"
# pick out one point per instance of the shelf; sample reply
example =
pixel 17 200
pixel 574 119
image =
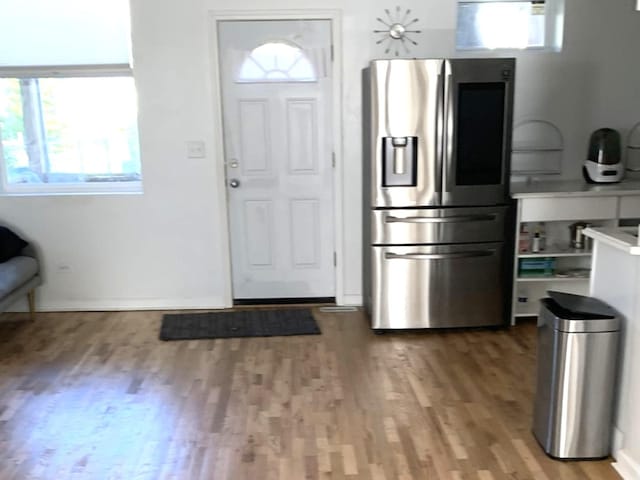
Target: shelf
pixel 551 214
pixel 536 150
pixel 555 251
pixel 530 173
pixel 552 278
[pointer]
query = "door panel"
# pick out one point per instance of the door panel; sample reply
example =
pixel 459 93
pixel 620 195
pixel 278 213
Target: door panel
pixel 437 286
pixel 305 217
pixel 254 126
pixel 258 219
pixel 277 135
pixel 477 143
pixel 302 124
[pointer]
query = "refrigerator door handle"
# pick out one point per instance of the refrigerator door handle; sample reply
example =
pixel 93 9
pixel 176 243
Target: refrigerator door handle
pixel 448 126
pixel 452 219
pixel 438 256
pixel 440 130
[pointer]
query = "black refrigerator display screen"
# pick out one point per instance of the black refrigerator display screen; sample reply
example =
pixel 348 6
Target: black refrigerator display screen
pixel 479 133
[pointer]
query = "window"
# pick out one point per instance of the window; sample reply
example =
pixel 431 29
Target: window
pixel 68 104
pixel 509 24
pixel 65 131
pixel 276 62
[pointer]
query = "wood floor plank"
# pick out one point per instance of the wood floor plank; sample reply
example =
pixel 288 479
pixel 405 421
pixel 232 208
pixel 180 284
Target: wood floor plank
pixel 97 395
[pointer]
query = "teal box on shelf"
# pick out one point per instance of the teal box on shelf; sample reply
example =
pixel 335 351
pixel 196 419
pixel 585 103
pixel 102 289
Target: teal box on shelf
pixel 536 267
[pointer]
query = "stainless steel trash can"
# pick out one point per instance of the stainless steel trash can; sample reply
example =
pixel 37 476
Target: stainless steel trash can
pixel 577 360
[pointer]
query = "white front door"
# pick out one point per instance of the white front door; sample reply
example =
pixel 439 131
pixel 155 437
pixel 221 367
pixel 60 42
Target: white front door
pixel 276 89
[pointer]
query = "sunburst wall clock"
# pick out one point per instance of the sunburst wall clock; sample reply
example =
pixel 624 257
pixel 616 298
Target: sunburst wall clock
pixel 396 34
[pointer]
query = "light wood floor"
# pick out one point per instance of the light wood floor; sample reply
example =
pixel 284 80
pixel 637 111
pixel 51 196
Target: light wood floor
pixel 97 396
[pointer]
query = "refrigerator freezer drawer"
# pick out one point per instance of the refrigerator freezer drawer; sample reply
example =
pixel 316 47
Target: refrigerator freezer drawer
pixel 441 225
pixel 437 286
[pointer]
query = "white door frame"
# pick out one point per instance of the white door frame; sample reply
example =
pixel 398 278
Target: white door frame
pixel 335 17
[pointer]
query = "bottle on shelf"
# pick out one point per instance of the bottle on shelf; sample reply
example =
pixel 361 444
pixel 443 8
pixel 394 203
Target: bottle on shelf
pixel 588 241
pixel 577 238
pixel 542 230
pixel 535 243
pixel 524 242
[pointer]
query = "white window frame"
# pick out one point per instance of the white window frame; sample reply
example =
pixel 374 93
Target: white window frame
pixel 553 32
pixel 43 189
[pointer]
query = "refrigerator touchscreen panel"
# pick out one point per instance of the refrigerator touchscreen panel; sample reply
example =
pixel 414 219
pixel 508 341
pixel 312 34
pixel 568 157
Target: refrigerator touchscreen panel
pixel 480 136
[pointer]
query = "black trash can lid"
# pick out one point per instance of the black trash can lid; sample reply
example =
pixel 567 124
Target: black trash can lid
pixel 577 313
pixel 581 307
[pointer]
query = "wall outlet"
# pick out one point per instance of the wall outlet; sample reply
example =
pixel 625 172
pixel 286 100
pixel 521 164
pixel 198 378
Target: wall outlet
pixel 195 149
pixel 63 268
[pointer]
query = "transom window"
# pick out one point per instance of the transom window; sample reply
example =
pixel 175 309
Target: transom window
pixel 277 61
pixel 509 24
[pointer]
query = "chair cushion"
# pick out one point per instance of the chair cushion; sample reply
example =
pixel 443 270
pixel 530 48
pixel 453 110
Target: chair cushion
pixel 16 271
pixel 10 244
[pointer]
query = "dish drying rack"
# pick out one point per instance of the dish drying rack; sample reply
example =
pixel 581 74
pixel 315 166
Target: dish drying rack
pixel 537 149
pixel 633 149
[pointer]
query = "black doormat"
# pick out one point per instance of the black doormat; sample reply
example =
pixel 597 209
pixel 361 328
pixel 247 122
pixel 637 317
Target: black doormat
pixel 244 323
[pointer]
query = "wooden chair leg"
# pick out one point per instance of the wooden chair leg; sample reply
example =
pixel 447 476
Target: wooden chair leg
pixel 31 297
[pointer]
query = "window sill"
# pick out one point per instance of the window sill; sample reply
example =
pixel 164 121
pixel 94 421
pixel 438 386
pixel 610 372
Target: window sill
pixel 31 190
pixel 508 51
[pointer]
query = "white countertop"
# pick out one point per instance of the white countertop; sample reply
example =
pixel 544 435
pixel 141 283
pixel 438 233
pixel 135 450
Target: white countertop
pixel 622 238
pixel 573 188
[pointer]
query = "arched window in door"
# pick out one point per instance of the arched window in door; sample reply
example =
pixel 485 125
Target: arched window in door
pixel 277 61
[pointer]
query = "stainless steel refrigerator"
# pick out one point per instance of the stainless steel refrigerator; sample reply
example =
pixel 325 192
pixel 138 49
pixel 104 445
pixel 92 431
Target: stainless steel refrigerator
pixel 437 217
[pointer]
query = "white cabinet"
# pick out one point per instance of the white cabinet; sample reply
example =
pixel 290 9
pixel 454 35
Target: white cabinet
pixel 630 207
pixel 572 208
pixel 568 268
pixel 617 281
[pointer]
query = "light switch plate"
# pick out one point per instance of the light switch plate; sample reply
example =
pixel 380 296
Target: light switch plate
pixel 195 149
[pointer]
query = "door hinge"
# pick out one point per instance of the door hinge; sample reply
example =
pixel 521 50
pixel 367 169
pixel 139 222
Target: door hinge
pixel 332 53
pixel 335 259
pixel 333 159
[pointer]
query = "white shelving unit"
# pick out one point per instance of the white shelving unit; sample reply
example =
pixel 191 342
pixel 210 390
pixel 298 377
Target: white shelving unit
pixel 556 251
pixel 553 278
pixel 571 271
pixel 605 207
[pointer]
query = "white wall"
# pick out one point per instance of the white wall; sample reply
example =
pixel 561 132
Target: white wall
pixel 592 83
pixel 166 248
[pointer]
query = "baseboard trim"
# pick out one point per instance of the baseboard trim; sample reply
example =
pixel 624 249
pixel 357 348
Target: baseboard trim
pixel 204 303
pixel 350 300
pixel 627 467
pixel 617 440
pixel 116 304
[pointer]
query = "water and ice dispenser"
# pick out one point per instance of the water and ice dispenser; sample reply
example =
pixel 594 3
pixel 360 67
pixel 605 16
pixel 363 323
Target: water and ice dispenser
pixel 399 161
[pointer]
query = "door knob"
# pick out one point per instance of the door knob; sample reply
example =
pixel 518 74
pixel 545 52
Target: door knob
pixel 234 183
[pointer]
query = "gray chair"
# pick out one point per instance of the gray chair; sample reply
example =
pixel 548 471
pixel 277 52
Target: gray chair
pixel 20 276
